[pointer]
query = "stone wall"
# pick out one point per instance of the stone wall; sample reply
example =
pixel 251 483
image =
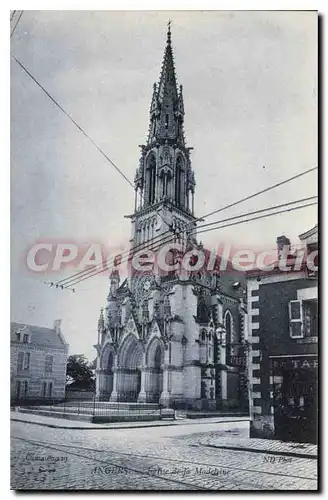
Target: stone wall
pixel 35 375
pixel 268 334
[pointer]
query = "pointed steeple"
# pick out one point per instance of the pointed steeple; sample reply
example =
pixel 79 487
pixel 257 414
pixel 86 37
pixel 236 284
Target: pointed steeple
pixel 167 81
pixel 164 175
pixel 166 109
pixel 154 107
pixel 101 322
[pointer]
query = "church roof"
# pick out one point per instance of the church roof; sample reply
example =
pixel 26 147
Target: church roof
pixel 228 279
pixel 40 336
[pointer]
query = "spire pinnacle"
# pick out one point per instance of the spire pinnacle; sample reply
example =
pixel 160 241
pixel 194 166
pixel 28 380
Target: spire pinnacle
pixel 167 80
pixel 169 32
pixel 101 322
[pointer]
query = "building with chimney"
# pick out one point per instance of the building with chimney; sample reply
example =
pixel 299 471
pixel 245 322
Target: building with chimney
pixel 176 338
pixel 38 359
pixel 283 334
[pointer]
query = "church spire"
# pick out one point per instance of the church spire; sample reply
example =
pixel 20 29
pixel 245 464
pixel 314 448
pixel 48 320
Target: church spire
pixel 166 109
pixel 167 81
pixel 164 175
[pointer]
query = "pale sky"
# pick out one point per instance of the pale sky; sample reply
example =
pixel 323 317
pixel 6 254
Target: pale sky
pixel 250 93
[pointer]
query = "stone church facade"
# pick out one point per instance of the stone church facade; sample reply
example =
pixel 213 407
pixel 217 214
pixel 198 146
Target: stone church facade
pixel 175 338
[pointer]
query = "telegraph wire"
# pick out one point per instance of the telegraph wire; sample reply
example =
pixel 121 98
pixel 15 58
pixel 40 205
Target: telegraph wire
pixel 12 15
pixel 72 120
pixel 257 193
pixel 215 228
pixel 89 273
pixel 153 247
pixel 253 195
pixel 138 247
pixel 13 30
pixel 257 212
pixel 171 230
pixel 83 131
pixel 246 198
pixel 259 217
pixel 170 238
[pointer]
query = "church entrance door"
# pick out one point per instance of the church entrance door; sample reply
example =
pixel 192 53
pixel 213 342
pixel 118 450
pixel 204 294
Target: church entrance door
pixel 130 363
pixel 155 359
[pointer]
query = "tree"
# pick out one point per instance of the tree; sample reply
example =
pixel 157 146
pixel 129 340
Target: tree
pixel 79 372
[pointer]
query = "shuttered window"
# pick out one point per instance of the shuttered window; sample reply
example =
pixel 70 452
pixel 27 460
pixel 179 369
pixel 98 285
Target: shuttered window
pixel 25 388
pixel 26 363
pixel 18 389
pixel 20 360
pixel 296 319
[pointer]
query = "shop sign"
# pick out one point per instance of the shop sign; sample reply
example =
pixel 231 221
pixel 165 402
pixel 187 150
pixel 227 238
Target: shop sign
pixel 238 360
pixel 295 363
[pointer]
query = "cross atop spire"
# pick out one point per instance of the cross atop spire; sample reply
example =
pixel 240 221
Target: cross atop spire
pixel 167 80
pixel 169 31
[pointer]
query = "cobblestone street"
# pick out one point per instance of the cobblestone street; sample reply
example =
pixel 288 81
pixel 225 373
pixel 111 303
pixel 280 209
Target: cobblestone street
pixel 154 458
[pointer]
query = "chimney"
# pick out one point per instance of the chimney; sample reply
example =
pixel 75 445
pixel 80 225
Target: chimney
pixel 283 241
pixel 57 324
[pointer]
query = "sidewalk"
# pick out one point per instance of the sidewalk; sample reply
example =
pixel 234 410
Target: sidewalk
pixel 268 446
pixel 59 423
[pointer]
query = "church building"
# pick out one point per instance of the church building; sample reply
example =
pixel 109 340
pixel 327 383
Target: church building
pixel 176 338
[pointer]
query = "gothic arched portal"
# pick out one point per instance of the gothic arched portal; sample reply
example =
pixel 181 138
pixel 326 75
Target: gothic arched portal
pixel 130 360
pixel 155 360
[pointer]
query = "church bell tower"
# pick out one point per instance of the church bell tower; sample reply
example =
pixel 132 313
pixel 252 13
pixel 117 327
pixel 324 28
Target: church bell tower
pixel 164 181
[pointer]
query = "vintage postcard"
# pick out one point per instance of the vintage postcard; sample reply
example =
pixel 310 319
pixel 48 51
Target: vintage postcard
pixel 164 250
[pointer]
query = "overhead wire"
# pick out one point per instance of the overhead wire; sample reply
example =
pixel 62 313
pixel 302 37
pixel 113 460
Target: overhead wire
pixel 259 217
pixel 69 116
pixel 111 261
pixel 176 233
pixel 257 193
pixel 172 237
pixel 14 28
pixel 253 195
pixel 257 211
pixel 152 247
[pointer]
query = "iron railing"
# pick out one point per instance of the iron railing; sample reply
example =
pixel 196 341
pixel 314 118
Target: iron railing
pixel 97 408
pixel 101 409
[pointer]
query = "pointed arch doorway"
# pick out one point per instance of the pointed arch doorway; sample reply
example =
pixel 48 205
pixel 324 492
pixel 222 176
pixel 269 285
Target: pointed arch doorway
pixel 130 360
pixel 154 371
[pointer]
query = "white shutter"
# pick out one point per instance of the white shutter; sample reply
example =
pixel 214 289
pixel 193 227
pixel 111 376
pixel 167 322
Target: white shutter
pixel 20 359
pixel 296 319
pixel 26 363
